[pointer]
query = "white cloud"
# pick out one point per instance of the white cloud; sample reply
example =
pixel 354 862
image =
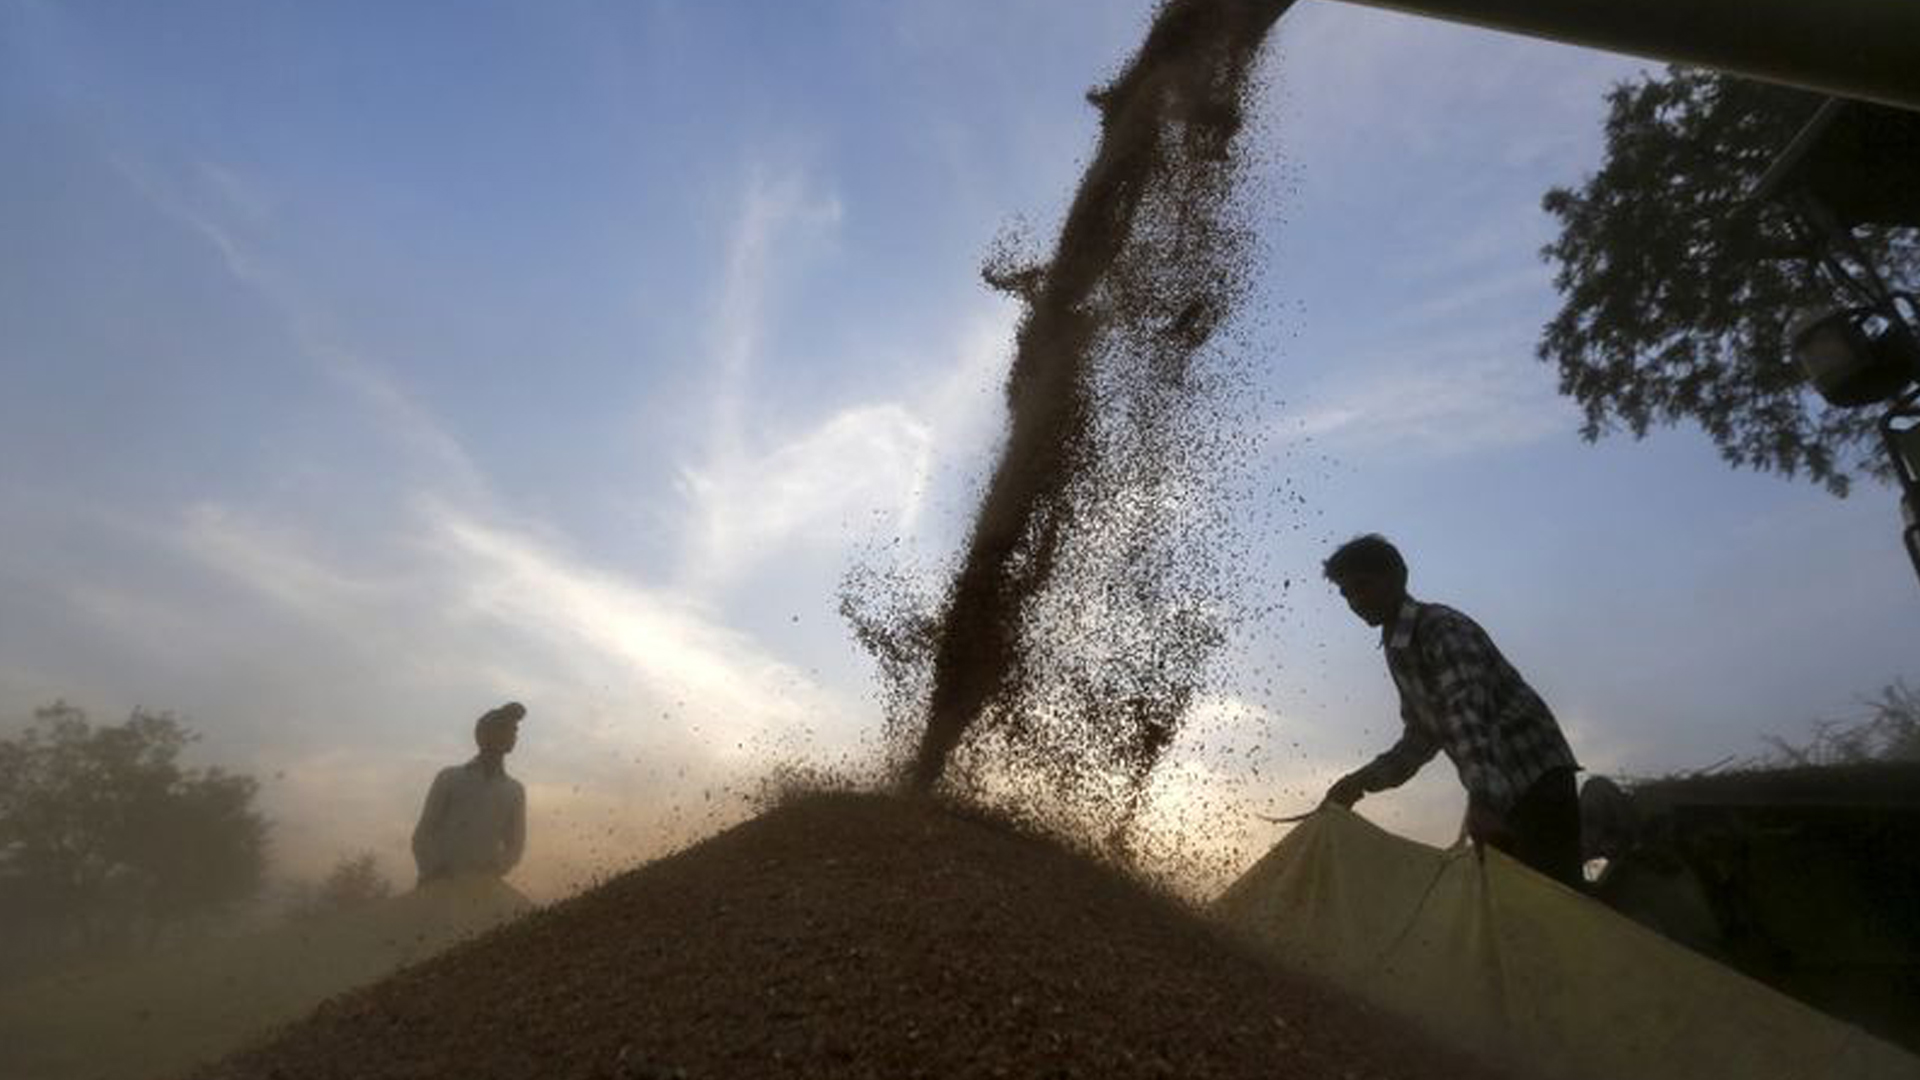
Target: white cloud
pixel 1438 403
pixel 868 466
pixel 228 211
pixel 863 460
pixel 370 641
pixel 677 650
pixel 751 500
pixel 644 703
pixel 540 614
pixel 1489 292
pixel 246 195
pixel 419 432
pixel 770 208
pixel 273 563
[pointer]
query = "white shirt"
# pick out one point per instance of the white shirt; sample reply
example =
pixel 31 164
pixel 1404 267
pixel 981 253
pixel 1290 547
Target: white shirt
pixel 473 823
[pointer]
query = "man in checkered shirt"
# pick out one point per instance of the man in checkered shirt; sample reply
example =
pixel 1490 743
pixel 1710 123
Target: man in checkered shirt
pixel 1459 695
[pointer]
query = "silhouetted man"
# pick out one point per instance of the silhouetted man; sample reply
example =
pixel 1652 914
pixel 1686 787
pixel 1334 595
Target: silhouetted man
pixel 475 820
pixel 1459 695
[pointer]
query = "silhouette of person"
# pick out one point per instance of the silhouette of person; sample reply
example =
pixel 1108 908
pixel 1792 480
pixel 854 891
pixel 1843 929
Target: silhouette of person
pixel 474 823
pixel 1460 696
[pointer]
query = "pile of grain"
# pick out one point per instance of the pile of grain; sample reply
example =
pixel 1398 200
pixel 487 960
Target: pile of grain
pixel 849 936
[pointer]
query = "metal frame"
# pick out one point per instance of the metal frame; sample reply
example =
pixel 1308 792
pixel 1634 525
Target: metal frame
pixel 1902 422
pixel 1866 49
pixel 1851 273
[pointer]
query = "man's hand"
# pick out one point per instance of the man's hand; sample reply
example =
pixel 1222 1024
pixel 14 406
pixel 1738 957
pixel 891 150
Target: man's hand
pixel 1346 791
pixel 1484 826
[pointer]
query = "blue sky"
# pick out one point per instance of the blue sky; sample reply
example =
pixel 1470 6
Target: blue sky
pixel 365 366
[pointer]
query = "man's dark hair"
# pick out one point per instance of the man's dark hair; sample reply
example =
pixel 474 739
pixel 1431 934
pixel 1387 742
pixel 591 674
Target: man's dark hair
pixel 510 713
pixel 1369 554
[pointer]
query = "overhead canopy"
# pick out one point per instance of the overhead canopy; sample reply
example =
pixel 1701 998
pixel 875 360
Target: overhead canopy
pixel 1866 49
pixel 1861 160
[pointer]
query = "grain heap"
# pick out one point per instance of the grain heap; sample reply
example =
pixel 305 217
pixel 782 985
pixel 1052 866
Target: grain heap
pixel 849 936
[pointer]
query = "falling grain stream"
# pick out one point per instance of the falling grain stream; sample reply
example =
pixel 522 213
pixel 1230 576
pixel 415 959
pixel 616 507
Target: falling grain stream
pixel 1149 263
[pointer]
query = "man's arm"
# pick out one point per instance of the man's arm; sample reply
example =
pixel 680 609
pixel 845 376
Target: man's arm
pixel 1389 770
pixel 515 842
pixel 1401 760
pixel 426 834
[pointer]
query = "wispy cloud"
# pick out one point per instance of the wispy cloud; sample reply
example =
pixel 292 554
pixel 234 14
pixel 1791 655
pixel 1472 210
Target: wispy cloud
pixel 473 560
pixel 234 214
pixel 481 596
pixel 1492 293
pixel 448 611
pixel 676 650
pixel 753 496
pixel 440 596
pixel 1472 395
pixel 430 444
pixel 867 467
pixel 863 460
pixel 770 208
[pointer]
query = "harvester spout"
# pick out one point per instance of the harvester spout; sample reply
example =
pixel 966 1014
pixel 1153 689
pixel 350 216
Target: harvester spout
pixel 1867 49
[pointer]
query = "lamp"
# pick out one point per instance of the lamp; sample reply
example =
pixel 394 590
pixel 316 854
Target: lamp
pixel 1855 355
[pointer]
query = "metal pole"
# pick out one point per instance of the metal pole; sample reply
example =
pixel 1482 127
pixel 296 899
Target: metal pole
pixel 1866 49
pixel 1900 434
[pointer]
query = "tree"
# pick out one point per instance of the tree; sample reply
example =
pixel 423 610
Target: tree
pixel 108 840
pixel 1888 730
pixel 1677 288
pixel 353 882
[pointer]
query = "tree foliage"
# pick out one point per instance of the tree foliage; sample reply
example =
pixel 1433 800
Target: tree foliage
pixel 108 840
pixel 354 881
pixel 1677 288
pixel 1888 730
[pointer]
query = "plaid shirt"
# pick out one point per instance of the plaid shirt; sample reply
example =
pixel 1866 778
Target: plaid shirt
pixel 1458 694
